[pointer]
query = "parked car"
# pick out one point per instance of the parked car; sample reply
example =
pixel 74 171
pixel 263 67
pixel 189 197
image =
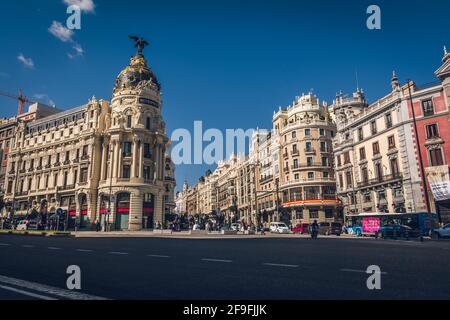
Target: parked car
pixel 398 231
pixel 22 225
pixel 443 232
pixel 278 227
pixel 327 228
pixel 301 228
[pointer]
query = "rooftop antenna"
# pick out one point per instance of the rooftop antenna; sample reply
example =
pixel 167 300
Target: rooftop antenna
pixel 357 80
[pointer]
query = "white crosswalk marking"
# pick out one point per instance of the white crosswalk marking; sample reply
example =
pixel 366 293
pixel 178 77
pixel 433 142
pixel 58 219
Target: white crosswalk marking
pixel 48 290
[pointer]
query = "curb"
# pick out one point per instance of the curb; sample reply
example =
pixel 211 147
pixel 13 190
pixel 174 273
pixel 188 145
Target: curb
pixel 36 234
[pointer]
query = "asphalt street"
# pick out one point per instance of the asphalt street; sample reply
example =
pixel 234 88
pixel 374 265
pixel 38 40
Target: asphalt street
pixel 257 268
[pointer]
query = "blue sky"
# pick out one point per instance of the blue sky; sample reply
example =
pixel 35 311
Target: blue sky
pixel 227 63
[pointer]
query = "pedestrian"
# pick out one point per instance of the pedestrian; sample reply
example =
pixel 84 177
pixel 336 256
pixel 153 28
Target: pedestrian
pixel 97 225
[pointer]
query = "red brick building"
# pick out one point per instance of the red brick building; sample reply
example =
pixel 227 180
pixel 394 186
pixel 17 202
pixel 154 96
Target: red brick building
pixel 432 112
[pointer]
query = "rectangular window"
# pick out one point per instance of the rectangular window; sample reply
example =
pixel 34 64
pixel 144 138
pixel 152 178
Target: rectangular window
pixel 308 147
pixel 294 134
pixel 148 123
pixel 388 119
pixel 341 181
pixel 365 174
pixel 310 175
pixel 127 149
pixel 373 127
pixel 85 150
pixel 313 214
pixel 126 171
pixel 436 157
pixel 432 131
pixel 322 132
pixel 338 159
pixel 427 107
pixel 347 157
pixel 307 132
pixel 129 119
pixel 84 175
pixel 348 178
pixel 309 161
pixel 147 153
pixel 391 142
pixel 295 163
pixel 360 134
pixel 362 153
pixel 147 173
pixel 376 148
pixel 394 168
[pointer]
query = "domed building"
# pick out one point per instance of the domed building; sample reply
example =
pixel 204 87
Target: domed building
pixel 75 159
pixel 134 148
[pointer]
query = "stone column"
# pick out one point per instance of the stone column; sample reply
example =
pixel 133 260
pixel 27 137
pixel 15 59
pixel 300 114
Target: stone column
pixel 120 160
pixel 135 158
pixel 136 204
pixel 115 165
pixel 141 161
pixel 104 164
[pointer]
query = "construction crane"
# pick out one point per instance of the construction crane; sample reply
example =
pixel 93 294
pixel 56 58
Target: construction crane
pixel 22 100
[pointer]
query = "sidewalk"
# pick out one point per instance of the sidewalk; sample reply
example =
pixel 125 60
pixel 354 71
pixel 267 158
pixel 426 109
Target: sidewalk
pixel 191 235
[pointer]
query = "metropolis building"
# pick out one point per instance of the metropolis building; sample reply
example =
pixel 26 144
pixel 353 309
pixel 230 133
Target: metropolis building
pixel 75 159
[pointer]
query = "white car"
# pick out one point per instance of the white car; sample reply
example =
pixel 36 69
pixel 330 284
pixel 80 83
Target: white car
pixel 279 227
pixel 22 225
pixel 443 232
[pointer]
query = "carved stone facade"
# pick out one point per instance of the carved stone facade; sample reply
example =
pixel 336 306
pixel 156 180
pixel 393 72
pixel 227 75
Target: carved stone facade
pixel 76 159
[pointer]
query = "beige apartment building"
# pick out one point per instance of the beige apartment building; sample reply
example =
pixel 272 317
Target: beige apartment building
pixel 292 164
pixel 305 131
pixel 100 161
pixel 376 165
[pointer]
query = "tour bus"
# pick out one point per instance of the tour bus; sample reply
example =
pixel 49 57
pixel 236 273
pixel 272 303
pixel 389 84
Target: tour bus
pixel 370 223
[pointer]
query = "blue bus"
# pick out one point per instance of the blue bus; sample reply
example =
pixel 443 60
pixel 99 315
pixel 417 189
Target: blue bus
pixel 370 223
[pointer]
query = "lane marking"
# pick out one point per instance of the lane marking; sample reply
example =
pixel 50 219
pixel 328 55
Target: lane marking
pixel 281 265
pixel 53 248
pixel 4 244
pixel 358 271
pixel 157 256
pixel 46 289
pixel 27 246
pixel 217 260
pixel 26 293
pixel 83 250
pixel 118 253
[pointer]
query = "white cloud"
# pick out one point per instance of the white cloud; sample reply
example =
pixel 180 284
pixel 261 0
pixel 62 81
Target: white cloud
pixel 44 97
pixel 59 31
pixel 78 51
pixel 27 62
pixel 87 6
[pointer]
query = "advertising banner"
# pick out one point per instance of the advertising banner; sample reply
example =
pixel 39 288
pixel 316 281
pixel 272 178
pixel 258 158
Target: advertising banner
pixel 439 180
pixel 371 224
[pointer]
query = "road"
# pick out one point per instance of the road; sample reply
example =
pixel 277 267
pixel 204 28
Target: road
pixel 259 268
